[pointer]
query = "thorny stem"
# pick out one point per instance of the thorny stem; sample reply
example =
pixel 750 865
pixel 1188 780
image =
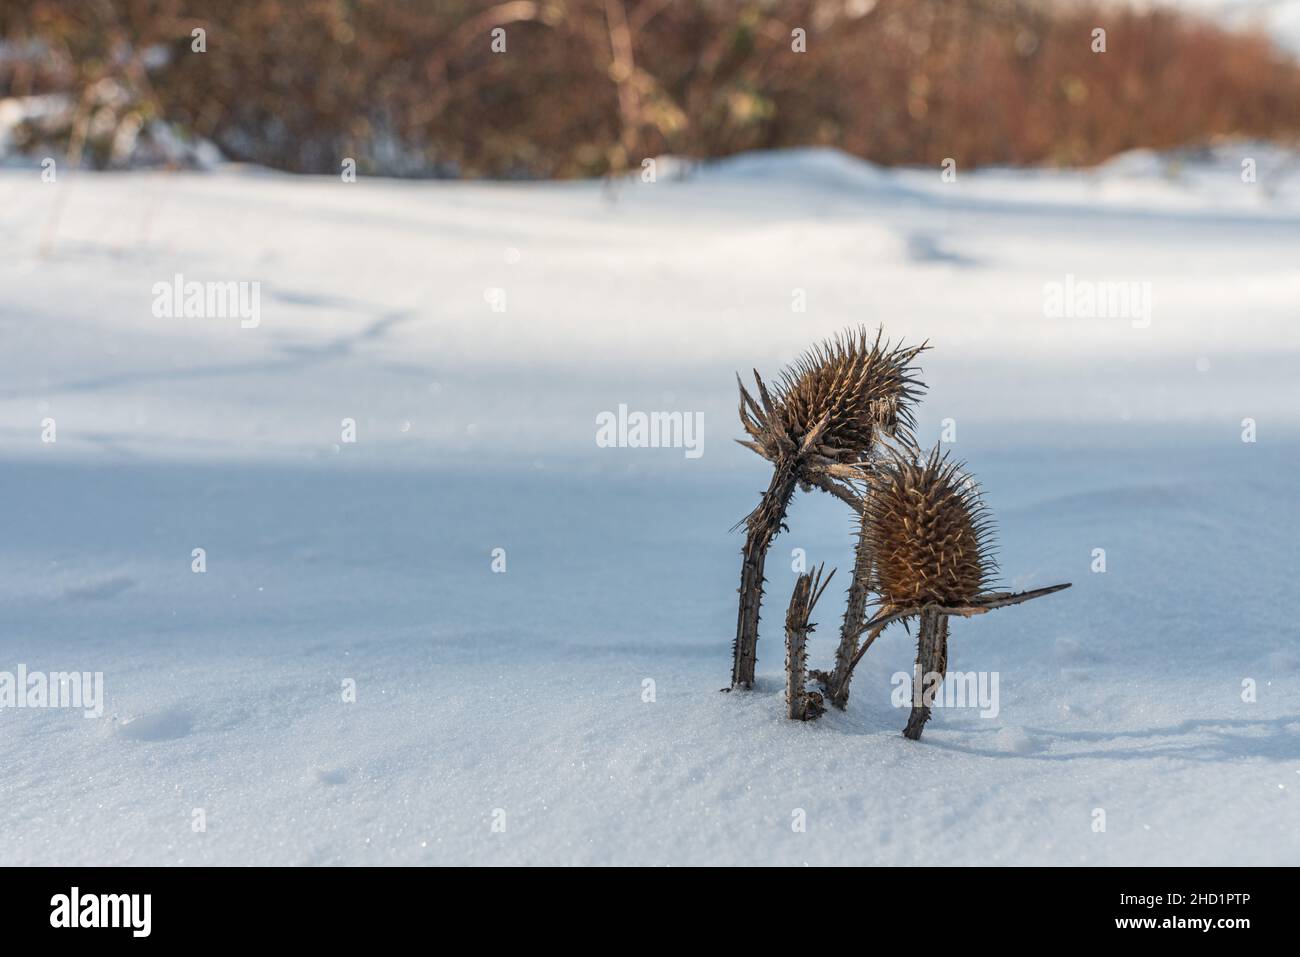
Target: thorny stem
pixel 931 667
pixel 801 705
pixel 839 690
pixel 855 614
pixel 762 526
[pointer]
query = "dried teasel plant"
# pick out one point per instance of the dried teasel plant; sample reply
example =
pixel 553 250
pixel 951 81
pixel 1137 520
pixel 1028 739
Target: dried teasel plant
pixel 802 704
pixel 817 426
pixel 930 531
pixel 931 543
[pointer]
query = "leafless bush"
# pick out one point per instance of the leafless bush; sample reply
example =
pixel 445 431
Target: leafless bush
pixel 587 87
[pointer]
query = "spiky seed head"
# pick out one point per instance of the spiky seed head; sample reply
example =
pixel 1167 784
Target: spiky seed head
pixel 828 407
pixel 931 535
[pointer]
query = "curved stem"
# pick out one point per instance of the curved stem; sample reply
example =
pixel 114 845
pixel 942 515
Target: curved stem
pixel 762 526
pixel 855 613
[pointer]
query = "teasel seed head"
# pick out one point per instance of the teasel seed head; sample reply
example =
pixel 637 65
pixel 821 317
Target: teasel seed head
pixel 826 410
pixel 931 535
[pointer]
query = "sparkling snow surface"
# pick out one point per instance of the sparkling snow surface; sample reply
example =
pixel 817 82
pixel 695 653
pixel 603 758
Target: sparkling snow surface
pixel 500 718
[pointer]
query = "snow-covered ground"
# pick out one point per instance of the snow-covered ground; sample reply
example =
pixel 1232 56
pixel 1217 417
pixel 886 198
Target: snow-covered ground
pixel 519 699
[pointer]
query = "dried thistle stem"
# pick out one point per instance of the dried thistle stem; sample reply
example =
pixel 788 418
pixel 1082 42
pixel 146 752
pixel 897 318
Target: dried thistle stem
pixel 762 526
pixel 801 704
pixel 854 615
pixel 931 667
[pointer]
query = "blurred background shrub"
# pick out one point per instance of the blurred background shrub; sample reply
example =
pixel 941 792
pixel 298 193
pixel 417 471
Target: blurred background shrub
pixel 588 87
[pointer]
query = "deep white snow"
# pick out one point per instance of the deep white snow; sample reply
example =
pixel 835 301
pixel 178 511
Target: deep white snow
pixel 485 698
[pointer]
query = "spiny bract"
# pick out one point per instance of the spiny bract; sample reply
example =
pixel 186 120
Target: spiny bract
pixel 828 407
pixel 931 535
